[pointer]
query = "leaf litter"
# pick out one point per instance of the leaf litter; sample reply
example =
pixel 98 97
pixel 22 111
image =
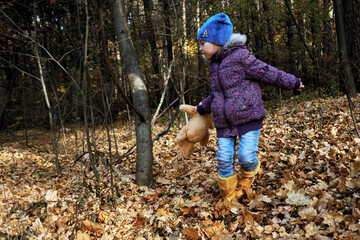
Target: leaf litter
pixel 308 186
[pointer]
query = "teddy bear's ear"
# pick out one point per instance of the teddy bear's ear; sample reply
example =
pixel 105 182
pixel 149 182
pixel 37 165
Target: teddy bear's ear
pixel 188 109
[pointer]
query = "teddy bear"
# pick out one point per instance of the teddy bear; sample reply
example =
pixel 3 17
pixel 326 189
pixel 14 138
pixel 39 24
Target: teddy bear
pixel 196 130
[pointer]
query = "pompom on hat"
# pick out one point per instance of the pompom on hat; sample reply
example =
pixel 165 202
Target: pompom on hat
pixel 216 29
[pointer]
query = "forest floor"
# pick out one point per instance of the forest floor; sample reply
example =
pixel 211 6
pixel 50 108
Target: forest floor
pixel 308 186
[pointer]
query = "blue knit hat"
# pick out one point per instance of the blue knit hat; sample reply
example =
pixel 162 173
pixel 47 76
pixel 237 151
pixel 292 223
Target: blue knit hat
pixel 216 29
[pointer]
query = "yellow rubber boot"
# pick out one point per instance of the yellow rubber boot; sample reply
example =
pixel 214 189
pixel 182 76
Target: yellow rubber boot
pixel 228 187
pixel 245 180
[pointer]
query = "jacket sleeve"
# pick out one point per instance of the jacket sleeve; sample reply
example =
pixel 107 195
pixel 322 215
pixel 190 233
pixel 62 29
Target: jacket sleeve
pixel 204 107
pixel 260 71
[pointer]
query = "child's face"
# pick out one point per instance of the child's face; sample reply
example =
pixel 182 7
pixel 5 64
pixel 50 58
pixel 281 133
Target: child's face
pixel 208 49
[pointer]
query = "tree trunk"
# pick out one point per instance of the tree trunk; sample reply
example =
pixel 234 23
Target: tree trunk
pixel 349 82
pixel 325 39
pixel 255 19
pixel 352 29
pixel 36 51
pixel 181 36
pixel 270 33
pixel 85 95
pixel 5 95
pixel 153 48
pixel 183 16
pixel 316 36
pixel 169 45
pixel 144 156
pixel 290 38
pixel 151 36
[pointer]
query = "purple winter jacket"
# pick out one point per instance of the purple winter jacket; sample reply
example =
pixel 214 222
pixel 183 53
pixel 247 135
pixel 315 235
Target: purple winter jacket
pixel 235 100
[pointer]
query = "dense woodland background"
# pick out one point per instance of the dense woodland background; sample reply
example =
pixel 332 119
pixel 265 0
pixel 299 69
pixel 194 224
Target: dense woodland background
pixel 163 34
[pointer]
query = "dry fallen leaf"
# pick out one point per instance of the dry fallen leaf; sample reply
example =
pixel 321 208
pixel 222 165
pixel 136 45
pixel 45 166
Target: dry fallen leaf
pixel 259 201
pixel 188 210
pixel 51 196
pixel 297 198
pixel 140 220
pixel 82 236
pixel 308 213
pixel 332 219
pixel 218 227
pixel 190 233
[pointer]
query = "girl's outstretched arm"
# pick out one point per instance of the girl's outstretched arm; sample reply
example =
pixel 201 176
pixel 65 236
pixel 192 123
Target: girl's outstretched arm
pixel 257 70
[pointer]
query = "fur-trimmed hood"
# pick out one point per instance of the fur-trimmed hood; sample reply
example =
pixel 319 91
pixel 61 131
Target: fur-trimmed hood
pixel 234 39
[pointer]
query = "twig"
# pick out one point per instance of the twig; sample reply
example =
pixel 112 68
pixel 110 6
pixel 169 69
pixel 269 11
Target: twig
pixel 154 139
pixel 168 126
pixel 210 148
pixel 162 95
pixel 352 114
pixel 28 232
pixel 22 71
pixel 125 154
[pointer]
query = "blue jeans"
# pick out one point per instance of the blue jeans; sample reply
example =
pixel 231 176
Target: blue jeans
pixel 248 147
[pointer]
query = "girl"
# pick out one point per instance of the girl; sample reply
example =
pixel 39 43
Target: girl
pixel 235 101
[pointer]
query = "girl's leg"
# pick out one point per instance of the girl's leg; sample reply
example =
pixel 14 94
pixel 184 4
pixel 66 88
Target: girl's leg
pixel 248 147
pixel 226 156
pixel 227 178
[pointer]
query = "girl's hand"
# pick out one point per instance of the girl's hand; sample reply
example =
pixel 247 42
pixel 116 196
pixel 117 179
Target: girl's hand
pixel 196 111
pixel 301 86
